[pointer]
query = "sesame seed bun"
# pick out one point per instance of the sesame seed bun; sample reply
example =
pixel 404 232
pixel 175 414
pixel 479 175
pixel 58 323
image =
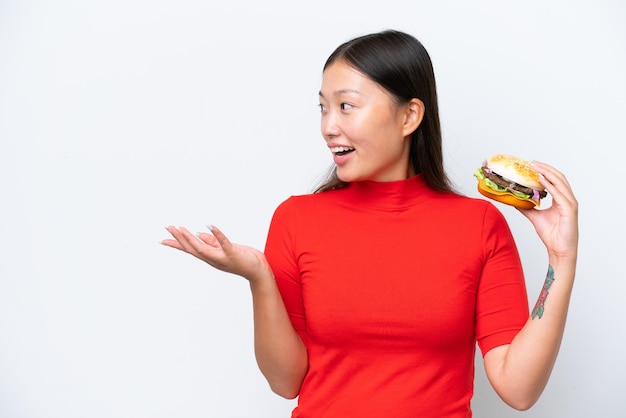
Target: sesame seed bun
pixel 515 169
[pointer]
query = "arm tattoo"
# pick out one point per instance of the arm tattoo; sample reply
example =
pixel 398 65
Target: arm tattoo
pixel 538 310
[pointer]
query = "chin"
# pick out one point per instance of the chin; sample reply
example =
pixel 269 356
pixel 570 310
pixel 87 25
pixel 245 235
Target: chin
pixel 351 178
pixel 346 177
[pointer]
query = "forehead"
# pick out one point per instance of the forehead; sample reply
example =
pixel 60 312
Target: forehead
pixel 342 78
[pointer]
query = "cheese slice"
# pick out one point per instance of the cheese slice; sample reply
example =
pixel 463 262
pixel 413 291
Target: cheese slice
pixel 483 185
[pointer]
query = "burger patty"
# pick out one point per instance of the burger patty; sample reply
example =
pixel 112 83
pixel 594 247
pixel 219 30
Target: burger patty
pixel 501 181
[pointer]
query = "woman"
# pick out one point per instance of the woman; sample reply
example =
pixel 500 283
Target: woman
pixel 373 292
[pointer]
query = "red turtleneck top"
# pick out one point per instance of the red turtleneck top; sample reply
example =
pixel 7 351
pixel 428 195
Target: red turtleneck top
pixel 390 286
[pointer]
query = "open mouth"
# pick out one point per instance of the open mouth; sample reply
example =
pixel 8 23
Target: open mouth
pixel 339 151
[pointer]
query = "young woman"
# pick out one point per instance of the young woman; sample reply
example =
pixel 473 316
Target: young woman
pixel 372 292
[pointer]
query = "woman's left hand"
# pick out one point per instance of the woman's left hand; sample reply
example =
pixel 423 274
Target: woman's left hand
pixel 556 226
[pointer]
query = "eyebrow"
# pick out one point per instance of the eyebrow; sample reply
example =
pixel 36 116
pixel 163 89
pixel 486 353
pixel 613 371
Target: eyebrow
pixel 343 91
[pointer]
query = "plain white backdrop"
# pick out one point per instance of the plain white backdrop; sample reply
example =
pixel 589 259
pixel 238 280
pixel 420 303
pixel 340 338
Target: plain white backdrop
pixel 118 118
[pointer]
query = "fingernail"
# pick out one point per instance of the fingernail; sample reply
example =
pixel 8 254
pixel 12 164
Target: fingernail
pixel 210 227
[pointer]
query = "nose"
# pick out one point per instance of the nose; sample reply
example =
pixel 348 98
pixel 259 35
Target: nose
pixel 329 125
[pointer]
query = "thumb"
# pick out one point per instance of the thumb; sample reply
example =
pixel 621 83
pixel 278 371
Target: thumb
pixel 221 238
pixel 529 213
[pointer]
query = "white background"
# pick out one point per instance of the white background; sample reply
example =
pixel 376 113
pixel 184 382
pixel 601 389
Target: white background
pixel 118 118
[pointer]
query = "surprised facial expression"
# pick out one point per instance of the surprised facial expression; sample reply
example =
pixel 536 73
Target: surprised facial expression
pixel 364 128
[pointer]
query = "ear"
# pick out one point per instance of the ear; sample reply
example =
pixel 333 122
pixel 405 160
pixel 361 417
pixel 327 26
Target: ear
pixel 413 115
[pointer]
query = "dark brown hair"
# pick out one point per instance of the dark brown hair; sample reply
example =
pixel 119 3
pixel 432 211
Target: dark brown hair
pixel 399 63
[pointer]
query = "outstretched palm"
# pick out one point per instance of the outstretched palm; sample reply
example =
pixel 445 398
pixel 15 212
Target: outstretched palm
pixel 216 250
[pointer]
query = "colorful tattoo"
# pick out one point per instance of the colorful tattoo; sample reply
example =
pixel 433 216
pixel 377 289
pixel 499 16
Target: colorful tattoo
pixel 538 310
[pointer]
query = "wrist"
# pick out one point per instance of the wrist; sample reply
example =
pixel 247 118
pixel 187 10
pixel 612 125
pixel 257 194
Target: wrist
pixel 563 261
pixel 263 274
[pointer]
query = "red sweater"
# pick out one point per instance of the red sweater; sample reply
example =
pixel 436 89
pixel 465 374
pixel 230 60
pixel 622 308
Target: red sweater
pixel 390 286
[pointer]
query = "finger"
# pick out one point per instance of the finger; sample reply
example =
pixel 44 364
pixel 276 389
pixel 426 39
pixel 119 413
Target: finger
pixel 555 183
pixel 552 175
pixel 175 243
pixel 193 241
pixel 186 239
pixel 180 242
pixel 171 243
pixel 530 214
pixel 208 239
pixel 221 238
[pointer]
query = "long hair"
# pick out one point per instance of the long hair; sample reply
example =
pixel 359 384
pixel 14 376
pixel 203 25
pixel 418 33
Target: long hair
pixel 400 64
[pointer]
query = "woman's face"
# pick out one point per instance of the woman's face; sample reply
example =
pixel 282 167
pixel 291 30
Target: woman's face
pixel 364 128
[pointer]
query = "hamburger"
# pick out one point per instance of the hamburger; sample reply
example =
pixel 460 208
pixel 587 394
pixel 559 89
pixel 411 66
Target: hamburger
pixel 510 180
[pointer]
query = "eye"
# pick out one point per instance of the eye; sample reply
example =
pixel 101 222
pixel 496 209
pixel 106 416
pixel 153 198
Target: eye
pixel 346 106
pixel 322 108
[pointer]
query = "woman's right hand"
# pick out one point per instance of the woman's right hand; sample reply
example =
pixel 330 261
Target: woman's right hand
pixel 280 352
pixel 216 250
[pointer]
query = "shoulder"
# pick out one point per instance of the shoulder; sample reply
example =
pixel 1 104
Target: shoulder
pixel 307 209
pixel 303 201
pixel 472 215
pixel 465 204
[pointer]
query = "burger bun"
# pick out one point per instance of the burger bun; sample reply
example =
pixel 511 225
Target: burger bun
pixel 515 169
